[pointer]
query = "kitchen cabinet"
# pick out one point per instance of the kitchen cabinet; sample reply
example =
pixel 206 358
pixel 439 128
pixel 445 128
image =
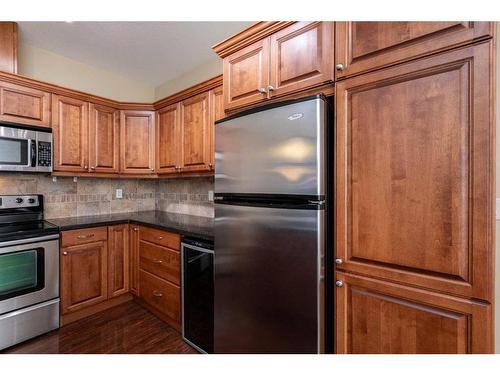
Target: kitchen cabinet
pixel 294 58
pixel 24 105
pixel 118 260
pixel 216 113
pixel 8 47
pixel 134 259
pixel 168 147
pixel 364 46
pixel 70 134
pixel 104 139
pixel 375 316
pixel 414 173
pixel 84 280
pixel 137 145
pixel 195 134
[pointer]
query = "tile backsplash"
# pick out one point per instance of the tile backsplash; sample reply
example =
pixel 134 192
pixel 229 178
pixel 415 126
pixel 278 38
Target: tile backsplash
pixel 94 196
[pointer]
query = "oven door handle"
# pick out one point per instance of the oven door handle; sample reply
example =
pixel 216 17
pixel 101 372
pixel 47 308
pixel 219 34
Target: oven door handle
pixel 32 155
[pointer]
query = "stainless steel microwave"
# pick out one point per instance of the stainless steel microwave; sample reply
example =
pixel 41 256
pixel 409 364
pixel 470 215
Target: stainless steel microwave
pixel 25 150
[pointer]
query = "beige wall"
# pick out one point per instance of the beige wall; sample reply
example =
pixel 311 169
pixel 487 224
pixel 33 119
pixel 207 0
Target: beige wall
pixel 49 67
pixel 199 74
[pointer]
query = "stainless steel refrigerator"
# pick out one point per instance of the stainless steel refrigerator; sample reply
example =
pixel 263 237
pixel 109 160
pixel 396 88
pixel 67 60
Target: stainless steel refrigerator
pixel 270 192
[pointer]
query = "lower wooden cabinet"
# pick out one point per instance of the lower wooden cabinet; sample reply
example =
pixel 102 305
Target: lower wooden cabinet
pixel 84 272
pixel 118 260
pixel 374 316
pixel 134 259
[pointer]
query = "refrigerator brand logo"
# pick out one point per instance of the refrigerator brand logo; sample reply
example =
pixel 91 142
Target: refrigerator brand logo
pixel 295 116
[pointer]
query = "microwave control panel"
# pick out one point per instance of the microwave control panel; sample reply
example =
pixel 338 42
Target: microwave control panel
pixel 44 154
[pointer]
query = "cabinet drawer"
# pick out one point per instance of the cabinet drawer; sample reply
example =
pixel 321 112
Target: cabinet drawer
pixel 79 236
pixel 160 294
pixel 160 237
pixel 160 261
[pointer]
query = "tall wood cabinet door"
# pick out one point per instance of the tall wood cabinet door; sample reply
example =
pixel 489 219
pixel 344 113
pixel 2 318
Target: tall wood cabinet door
pixel 216 113
pixel 24 105
pixel 414 173
pixel 118 260
pixel 83 275
pixel 363 46
pixel 196 134
pixel 70 132
pixel 134 258
pixel 168 139
pixel 246 75
pixel 137 142
pixel 301 57
pixel 378 317
pixel 8 47
pixel 104 139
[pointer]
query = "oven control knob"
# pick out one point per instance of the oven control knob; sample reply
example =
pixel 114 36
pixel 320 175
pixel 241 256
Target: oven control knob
pixel 31 200
pixel 19 200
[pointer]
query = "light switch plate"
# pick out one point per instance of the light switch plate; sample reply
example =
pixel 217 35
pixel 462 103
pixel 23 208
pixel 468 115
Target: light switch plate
pixel 210 195
pixel 119 193
pixel 498 209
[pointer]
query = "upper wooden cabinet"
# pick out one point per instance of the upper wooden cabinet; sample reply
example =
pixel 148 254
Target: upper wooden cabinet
pixel 24 105
pixel 414 173
pixel 295 57
pixel 378 317
pixel 364 46
pixel 70 133
pixel 216 114
pixel 168 147
pixel 246 75
pixel 195 133
pixel 104 139
pixel 301 57
pixel 137 142
pixel 8 47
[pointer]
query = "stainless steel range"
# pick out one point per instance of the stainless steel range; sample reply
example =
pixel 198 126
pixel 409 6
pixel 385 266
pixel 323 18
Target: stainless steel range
pixel 29 270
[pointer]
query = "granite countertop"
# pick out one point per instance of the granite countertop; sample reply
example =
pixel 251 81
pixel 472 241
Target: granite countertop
pixel 188 225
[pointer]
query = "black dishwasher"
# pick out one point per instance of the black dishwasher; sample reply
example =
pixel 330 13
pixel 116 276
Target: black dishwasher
pixel 198 293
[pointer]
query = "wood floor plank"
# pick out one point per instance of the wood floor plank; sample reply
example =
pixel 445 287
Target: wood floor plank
pixel 124 329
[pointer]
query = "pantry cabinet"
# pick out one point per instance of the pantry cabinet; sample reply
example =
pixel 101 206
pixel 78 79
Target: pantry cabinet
pixel 364 46
pixel 118 260
pixel 104 139
pixel 24 105
pixel 379 317
pixel 137 145
pixel 70 134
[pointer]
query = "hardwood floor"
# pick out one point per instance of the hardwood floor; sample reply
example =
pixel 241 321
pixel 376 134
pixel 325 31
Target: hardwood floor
pixel 125 329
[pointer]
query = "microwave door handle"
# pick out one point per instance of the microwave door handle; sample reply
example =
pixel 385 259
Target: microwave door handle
pixel 33 152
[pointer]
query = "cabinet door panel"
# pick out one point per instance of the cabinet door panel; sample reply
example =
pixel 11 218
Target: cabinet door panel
pixel 301 57
pixel 377 317
pixel 104 139
pixel 216 113
pixel 134 259
pixel 118 260
pixel 70 126
pixel 24 105
pixel 168 139
pixel 83 276
pixel 195 133
pixel 137 142
pixel 362 46
pixel 413 182
pixel 245 73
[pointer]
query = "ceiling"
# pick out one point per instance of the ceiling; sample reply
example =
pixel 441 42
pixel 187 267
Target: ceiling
pixel 150 52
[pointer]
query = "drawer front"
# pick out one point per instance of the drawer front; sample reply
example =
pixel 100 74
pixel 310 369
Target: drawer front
pixel 160 294
pixel 160 237
pixel 160 261
pixel 80 236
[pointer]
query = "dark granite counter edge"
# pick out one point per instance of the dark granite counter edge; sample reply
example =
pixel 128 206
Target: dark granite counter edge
pixel 103 223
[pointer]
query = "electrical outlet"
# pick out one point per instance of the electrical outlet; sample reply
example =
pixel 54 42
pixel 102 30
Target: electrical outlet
pixel 54 178
pixel 211 195
pixel 119 193
pixel 75 179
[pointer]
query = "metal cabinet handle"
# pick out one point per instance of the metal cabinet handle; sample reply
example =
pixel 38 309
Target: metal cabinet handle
pixel 270 88
pixel 339 283
pixel 152 169
pixel 339 261
pixel 157 261
pixel 65 253
pixel 136 229
pixel 157 294
pixel 82 236
pixel 263 90
pixel 85 167
pixel 92 168
pixel 159 238
pixel 339 67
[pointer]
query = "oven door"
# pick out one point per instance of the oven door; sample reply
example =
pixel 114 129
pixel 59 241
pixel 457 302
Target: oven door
pixel 29 272
pixel 17 149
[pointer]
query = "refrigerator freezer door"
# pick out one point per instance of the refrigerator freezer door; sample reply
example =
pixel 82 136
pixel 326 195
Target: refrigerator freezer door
pixel 268 280
pixel 275 151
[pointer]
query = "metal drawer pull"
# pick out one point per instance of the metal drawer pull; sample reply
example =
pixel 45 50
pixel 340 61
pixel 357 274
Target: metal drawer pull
pixel 157 294
pixel 65 253
pixel 157 261
pixel 82 236
pixel 339 283
pixel 159 238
